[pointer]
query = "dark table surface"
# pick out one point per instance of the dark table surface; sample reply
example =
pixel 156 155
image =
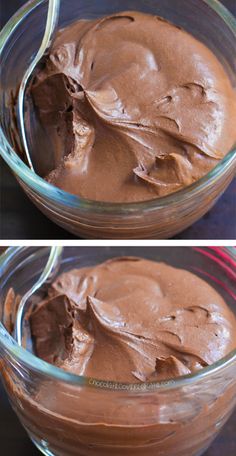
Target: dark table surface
pixel 19 219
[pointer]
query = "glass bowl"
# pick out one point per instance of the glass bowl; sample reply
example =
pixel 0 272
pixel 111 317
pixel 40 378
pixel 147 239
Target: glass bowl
pixel 70 415
pixel 160 218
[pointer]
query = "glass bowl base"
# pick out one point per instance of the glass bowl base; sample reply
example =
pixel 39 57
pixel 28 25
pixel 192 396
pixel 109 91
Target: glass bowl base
pixel 42 447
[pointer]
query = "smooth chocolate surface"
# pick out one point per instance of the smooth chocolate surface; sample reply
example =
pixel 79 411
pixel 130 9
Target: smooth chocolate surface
pixel 135 108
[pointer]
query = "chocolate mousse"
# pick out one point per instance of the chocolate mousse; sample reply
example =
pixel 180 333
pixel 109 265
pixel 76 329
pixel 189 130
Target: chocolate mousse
pixel 135 108
pixel 126 320
pixel 130 319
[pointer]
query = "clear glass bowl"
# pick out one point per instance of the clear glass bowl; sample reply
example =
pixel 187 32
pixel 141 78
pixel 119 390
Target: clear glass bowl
pixel 174 418
pixel 160 218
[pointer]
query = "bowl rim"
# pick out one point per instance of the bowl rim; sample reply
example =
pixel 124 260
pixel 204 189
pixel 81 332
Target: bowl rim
pixel 49 191
pixel 48 370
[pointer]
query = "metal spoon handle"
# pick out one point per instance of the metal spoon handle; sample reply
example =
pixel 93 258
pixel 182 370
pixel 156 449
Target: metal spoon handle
pixel 51 24
pixel 47 275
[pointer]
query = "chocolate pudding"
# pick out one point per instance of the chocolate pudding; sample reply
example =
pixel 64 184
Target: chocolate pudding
pixel 135 108
pixel 128 320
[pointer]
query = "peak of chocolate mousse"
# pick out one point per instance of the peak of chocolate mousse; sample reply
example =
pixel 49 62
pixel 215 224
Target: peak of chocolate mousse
pixel 135 107
pixel 131 319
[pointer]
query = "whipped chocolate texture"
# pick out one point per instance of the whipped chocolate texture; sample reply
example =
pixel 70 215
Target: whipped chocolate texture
pixel 126 320
pixel 135 107
pixel 132 320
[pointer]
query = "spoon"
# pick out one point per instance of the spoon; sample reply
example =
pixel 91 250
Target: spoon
pixel 51 24
pixel 46 277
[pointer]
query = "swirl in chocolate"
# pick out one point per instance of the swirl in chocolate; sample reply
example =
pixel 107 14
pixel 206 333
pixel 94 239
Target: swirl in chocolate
pixel 135 108
pixel 130 320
